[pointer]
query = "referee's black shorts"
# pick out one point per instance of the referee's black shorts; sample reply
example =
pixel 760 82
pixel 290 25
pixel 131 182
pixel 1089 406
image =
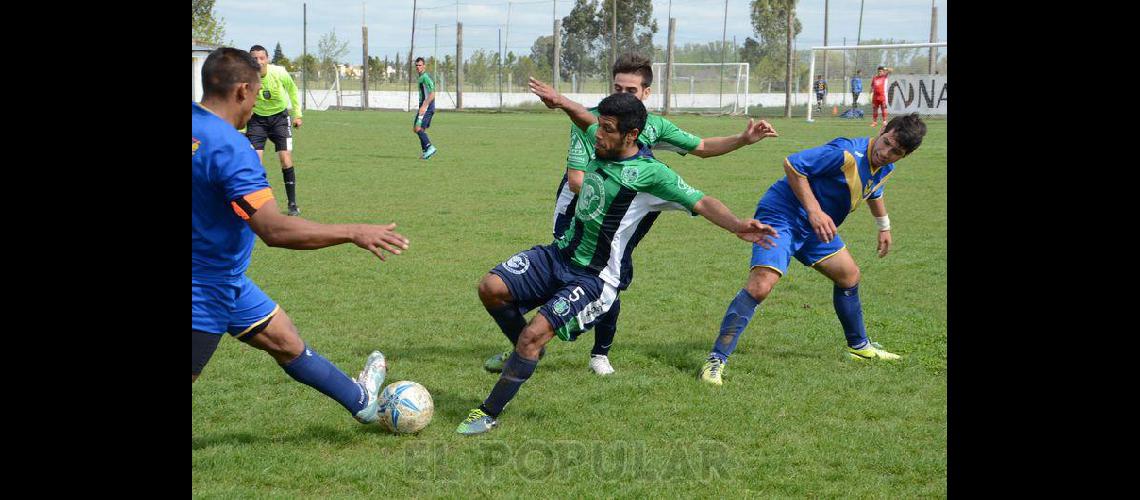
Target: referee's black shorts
pixel 274 127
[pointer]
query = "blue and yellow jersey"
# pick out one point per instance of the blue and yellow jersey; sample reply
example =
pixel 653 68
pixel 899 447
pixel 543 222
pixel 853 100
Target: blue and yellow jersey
pixel 840 175
pixel 228 185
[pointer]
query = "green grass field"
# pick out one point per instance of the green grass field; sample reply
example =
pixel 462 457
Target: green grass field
pixel 793 418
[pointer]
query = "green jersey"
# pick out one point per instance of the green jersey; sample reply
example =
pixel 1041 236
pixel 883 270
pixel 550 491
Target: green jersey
pixel 617 205
pixel 426 87
pixel 659 133
pixel 276 87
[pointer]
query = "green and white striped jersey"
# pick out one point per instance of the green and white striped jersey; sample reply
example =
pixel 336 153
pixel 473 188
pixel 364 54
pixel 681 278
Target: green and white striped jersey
pixel 659 133
pixel 617 205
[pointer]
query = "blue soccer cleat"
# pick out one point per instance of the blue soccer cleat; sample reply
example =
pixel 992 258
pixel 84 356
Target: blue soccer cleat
pixel 428 153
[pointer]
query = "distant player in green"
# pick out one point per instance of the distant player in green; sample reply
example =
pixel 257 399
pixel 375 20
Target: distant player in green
pixel 573 281
pixel 426 110
pixel 271 119
pixel 632 74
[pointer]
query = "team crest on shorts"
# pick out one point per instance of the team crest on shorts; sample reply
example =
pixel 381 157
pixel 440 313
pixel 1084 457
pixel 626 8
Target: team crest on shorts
pixel 561 306
pixel 591 199
pixel 517 264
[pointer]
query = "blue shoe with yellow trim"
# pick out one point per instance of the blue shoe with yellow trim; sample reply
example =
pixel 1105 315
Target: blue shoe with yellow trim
pixel 873 350
pixel 477 422
pixel 372 380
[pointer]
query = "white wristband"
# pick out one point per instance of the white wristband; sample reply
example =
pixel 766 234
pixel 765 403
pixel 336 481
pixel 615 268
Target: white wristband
pixel 883 222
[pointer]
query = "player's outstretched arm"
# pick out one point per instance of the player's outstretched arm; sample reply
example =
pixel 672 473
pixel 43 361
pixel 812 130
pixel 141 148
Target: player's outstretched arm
pixel 295 233
pixel 750 230
pixel 753 133
pixel 578 113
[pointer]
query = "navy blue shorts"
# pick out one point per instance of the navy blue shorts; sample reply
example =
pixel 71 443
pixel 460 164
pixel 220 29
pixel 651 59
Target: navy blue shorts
pixel 570 298
pixel 427 117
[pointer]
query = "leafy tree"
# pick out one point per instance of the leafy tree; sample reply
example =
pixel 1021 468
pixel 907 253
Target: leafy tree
pixel 771 21
pixel 306 63
pixel 279 57
pixel 635 28
pixel 206 26
pixel 542 53
pixel 329 51
pixel 580 31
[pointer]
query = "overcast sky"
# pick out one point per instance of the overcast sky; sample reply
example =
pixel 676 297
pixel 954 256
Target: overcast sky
pixel 267 22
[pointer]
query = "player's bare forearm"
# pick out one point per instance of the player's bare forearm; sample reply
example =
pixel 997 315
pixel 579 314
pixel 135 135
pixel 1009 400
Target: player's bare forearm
pixel 754 132
pixel 716 146
pixel 802 189
pixel 715 211
pixel 296 233
pixel 574 179
pixel 578 114
pixel 878 207
pixel 553 100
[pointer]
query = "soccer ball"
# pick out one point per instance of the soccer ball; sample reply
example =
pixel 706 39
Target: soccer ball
pixel 405 407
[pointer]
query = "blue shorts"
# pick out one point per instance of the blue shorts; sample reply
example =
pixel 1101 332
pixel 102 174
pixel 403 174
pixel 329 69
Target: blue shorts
pixel 427 117
pixel 570 298
pixel 796 239
pixel 235 307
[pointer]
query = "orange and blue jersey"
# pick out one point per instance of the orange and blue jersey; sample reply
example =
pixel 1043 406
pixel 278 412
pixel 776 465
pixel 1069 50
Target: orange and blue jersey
pixel 840 175
pixel 228 186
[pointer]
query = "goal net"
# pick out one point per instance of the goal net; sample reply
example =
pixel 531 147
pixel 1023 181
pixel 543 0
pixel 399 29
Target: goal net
pixel 701 88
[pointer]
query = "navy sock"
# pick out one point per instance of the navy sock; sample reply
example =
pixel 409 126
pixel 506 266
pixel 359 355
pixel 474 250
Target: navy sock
pixel 850 312
pixel 290 176
pixel 424 141
pixel 605 330
pixel 516 370
pixel 510 320
pixel 315 371
pixel 735 320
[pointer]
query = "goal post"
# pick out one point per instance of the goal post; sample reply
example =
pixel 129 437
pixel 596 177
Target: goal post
pixel 697 87
pixel 930 93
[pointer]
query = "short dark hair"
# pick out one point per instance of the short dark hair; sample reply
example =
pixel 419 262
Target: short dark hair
pixel 628 110
pixel 227 67
pixel 637 64
pixel 880 67
pixel 909 131
pixel 258 47
pixel 419 59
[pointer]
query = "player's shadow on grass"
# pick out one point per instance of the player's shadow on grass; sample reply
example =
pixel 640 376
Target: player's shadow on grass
pixel 339 433
pixel 689 356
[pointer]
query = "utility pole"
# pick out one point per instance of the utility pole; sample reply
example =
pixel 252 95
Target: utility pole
pixel 723 39
pixel 458 65
pixel 669 61
pixel 411 51
pixel 613 37
pixel 557 50
pixel 825 8
pixel 364 68
pixel 304 53
pixel 933 35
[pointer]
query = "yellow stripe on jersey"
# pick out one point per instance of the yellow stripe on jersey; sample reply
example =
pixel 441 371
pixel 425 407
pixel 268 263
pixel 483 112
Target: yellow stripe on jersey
pixel 871 144
pixel 871 189
pixel 789 165
pixel 854 184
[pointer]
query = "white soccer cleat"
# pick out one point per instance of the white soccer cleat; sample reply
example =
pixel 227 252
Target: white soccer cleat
pixel 600 364
pixel 371 378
